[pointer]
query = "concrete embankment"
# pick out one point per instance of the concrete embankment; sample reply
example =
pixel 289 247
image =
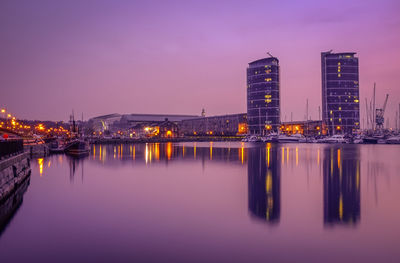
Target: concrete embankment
pixel 13 172
pixel 10 205
pixel 37 149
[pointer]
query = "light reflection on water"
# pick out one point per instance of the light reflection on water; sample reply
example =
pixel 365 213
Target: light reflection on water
pixel 257 200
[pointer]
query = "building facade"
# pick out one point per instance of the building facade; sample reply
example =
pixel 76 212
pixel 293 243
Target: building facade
pixel 232 124
pixel 263 96
pixel 340 92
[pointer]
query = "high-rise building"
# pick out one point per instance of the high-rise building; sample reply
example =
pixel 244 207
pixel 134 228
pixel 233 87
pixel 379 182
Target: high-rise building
pixel 340 92
pixel 263 96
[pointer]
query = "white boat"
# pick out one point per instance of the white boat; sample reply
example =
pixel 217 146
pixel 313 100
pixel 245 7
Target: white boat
pixel 272 137
pixel 337 138
pixel 254 139
pixel 393 140
pixel 293 138
pixel 358 140
pixel 245 139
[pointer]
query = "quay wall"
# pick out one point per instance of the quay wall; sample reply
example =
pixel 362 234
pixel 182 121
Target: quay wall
pixel 13 172
pixel 10 205
pixel 37 150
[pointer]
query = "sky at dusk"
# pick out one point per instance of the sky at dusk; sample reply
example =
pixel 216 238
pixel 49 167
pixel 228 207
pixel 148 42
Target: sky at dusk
pixel 177 57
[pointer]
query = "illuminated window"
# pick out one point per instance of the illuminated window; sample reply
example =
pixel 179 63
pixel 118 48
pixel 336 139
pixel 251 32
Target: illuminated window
pixel 340 108
pixel 339 75
pixel 268 79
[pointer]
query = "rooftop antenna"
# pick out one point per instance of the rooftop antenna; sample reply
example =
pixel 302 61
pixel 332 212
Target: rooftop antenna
pixel 373 109
pixel 319 112
pixel 269 54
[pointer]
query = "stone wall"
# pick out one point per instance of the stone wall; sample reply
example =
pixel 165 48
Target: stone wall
pixel 10 205
pixel 13 172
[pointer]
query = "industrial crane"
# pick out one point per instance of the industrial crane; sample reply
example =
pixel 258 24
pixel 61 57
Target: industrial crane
pixel 379 117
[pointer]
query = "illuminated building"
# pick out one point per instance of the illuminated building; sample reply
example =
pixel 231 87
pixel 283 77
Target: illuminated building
pixel 307 128
pixel 340 92
pixel 115 122
pixel 341 182
pixel 232 124
pixel 263 96
pixel 264 183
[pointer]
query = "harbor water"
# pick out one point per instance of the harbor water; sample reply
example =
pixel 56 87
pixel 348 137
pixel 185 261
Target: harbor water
pixel 209 202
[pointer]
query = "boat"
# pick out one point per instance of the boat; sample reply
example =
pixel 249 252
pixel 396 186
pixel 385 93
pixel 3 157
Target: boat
pixel 272 137
pixel 337 138
pixel 77 147
pixel 293 138
pixel 370 140
pixel 358 140
pixel 57 146
pixel 393 140
pixel 254 139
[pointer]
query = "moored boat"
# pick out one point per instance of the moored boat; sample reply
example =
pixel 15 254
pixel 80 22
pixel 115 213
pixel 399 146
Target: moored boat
pixel 393 140
pixel 77 147
pixel 337 138
pixel 293 138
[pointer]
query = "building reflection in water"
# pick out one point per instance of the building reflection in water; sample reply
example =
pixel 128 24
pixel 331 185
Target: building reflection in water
pixel 153 153
pixel 264 183
pixel 341 171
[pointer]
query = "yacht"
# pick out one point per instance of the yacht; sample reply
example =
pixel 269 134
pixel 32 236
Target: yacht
pixel 337 138
pixel 393 140
pixel 293 138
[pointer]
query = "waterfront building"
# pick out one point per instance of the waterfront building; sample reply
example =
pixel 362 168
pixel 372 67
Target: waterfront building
pixel 118 122
pixel 232 124
pixel 340 92
pixel 263 96
pixel 306 128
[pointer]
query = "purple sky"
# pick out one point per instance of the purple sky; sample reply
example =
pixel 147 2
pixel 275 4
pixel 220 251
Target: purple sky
pixel 101 57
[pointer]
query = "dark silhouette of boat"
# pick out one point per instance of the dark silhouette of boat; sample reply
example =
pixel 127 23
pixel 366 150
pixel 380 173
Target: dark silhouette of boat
pixel 77 146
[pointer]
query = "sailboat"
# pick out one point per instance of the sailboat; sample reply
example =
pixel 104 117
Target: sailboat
pixel 77 146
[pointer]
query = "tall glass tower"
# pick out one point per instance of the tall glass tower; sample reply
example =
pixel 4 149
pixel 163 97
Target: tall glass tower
pixel 263 96
pixel 340 92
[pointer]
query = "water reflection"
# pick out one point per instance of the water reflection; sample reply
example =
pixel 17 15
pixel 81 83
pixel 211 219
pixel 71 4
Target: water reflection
pixel 10 206
pixel 341 171
pixel 340 167
pixel 152 153
pixel 264 183
pixel 74 164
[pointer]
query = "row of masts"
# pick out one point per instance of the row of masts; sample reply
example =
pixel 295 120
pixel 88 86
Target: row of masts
pixel 375 116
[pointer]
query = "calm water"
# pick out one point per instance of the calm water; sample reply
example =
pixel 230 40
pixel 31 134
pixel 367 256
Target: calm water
pixel 210 202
